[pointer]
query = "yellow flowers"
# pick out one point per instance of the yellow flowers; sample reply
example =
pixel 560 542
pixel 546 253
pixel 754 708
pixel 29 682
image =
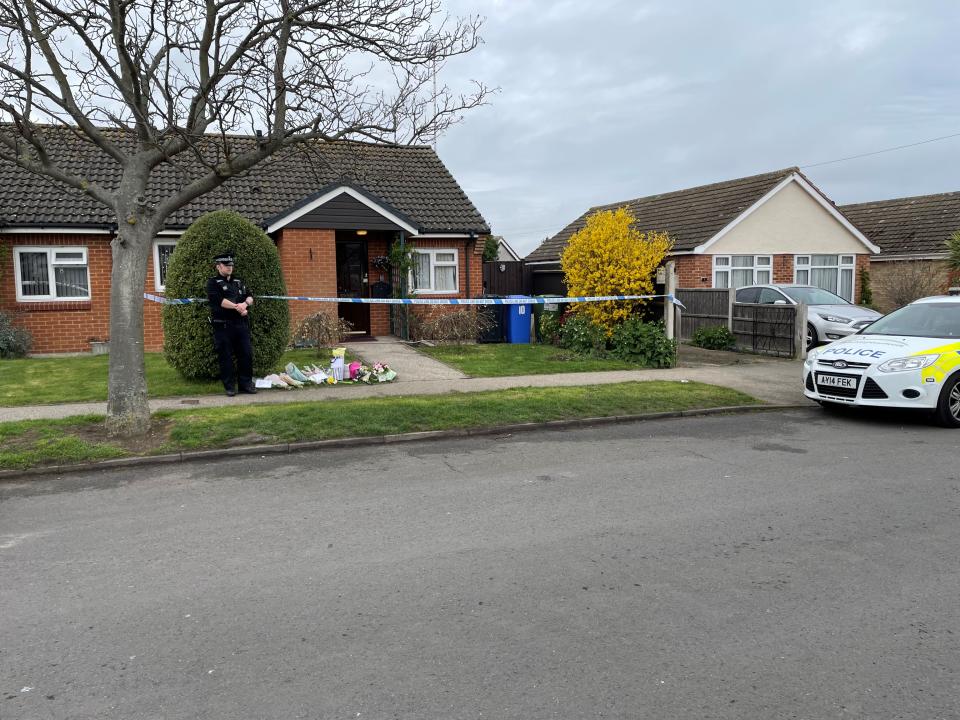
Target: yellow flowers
pixel 609 256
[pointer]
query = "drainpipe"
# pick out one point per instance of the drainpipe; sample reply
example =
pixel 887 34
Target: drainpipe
pixel 471 244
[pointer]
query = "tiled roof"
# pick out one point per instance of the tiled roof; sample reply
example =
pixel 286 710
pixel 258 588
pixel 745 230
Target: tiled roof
pixel 908 226
pixel 691 216
pixel 410 178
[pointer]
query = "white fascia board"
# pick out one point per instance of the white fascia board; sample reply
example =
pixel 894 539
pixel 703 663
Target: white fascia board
pixel 54 231
pixel 542 262
pixel 326 197
pixel 918 256
pixel 438 236
pixel 793 177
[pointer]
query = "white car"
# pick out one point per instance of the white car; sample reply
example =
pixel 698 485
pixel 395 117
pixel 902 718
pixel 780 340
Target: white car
pixel 829 316
pixel 907 359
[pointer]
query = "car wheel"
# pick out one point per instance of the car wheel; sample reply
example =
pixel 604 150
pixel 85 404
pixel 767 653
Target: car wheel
pixel 812 337
pixel 948 407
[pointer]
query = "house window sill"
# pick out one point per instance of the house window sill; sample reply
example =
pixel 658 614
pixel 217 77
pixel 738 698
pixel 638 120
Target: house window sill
pixel 53 306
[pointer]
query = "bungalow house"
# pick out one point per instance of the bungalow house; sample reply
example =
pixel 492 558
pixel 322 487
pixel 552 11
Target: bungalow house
pixel 776 227
pixel 910 230
pixel 332 209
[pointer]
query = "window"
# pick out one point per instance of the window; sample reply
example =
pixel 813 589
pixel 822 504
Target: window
pixel 769 296
pixel 435 271
pixel 162 250
pixel 833 273
pixel 740 270
pixel 55 273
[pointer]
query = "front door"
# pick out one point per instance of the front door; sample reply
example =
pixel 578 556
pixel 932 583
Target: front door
pixel 352 282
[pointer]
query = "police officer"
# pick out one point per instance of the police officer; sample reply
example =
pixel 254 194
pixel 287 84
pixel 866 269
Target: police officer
pixel 230 301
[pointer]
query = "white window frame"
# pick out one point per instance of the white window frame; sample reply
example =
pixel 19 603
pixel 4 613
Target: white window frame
pixel 433 252
pixel 726 267
pixel 804 264
pixel 156 261
pixel 51 252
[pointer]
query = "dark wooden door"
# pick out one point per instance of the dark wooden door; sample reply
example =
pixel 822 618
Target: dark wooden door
pixel 352 281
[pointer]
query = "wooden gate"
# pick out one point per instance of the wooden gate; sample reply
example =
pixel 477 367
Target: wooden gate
pixel 504 278
pixel 767 329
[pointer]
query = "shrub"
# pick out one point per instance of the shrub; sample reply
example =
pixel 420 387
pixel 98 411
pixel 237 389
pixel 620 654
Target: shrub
pixel 15 341
pixel 321 330
pixel 610 256
pixel 866 292
pixel 188 341
pixel 455 326
pixel 550 324
pixel 714 337
pixel 906 281
pixel 643 343
pixel 579 334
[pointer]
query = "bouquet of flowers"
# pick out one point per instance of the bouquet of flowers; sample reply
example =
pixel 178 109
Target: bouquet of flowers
pixel 381 372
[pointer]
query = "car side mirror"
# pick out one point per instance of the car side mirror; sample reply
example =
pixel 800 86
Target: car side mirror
pixel 779 302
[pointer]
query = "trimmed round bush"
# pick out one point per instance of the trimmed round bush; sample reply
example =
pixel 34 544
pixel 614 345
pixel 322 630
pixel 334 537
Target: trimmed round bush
pixel 187 333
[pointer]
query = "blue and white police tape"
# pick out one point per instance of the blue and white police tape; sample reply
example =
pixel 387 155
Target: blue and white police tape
pixel 434 301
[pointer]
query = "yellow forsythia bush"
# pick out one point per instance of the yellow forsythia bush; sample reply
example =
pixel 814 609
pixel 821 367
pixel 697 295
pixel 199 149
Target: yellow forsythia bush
pixel 611 257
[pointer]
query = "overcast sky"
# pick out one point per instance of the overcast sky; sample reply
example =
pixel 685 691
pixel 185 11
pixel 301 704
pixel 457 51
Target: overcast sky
pixel 610 100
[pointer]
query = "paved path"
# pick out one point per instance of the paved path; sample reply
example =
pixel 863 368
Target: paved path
pixel 771 380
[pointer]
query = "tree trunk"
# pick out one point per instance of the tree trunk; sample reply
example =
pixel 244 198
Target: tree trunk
pixel 128 413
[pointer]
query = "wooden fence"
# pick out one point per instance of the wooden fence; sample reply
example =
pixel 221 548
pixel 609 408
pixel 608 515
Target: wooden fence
pixel 767 329
pixel 705 307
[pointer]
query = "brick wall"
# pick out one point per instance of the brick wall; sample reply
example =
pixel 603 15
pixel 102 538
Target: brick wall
pixel 694 271
pixel 783 268
pixel 309 261
pixel 308 258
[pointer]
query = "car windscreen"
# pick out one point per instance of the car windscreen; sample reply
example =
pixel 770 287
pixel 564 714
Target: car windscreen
pixel 814 296
pixel 939 320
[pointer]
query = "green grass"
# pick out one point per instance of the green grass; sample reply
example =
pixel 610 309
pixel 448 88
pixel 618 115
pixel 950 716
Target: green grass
pixel 501 359
pixel 40 381
pixel 54 442
pixel 35 442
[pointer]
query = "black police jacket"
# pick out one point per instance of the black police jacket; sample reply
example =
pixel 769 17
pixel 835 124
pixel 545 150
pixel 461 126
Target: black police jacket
pixel 233 290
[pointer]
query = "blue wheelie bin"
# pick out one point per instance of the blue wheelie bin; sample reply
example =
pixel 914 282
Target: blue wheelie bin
pixel 518 321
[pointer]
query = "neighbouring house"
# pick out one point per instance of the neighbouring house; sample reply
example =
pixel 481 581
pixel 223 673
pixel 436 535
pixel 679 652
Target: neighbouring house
pixel 776 227
pixel 332 209
pixel 912 233
pixel 505 253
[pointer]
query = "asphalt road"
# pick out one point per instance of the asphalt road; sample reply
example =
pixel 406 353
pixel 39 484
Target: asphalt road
pixel 776 565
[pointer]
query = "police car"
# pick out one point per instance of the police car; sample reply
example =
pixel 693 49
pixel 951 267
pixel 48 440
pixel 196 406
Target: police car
pixel 907 359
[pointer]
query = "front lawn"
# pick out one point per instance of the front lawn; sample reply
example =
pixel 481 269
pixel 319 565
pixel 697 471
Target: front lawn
pixel 40 381
pixel 501 359
pixel 39 442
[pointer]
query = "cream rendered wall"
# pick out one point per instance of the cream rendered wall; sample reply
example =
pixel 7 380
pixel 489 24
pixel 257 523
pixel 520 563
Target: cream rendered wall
pixel 790 222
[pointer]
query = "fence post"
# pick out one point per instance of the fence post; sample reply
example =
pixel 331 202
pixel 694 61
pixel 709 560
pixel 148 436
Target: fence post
pixel 668 307
pixel 800 332
pixel 731 299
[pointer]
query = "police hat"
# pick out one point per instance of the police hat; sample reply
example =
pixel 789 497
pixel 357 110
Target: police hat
pixel 226 257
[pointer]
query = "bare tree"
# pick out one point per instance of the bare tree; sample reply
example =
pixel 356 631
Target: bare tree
pixel 154 83
pixel 905 281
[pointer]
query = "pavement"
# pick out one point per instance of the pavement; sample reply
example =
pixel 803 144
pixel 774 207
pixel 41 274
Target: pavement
pixel 772 380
